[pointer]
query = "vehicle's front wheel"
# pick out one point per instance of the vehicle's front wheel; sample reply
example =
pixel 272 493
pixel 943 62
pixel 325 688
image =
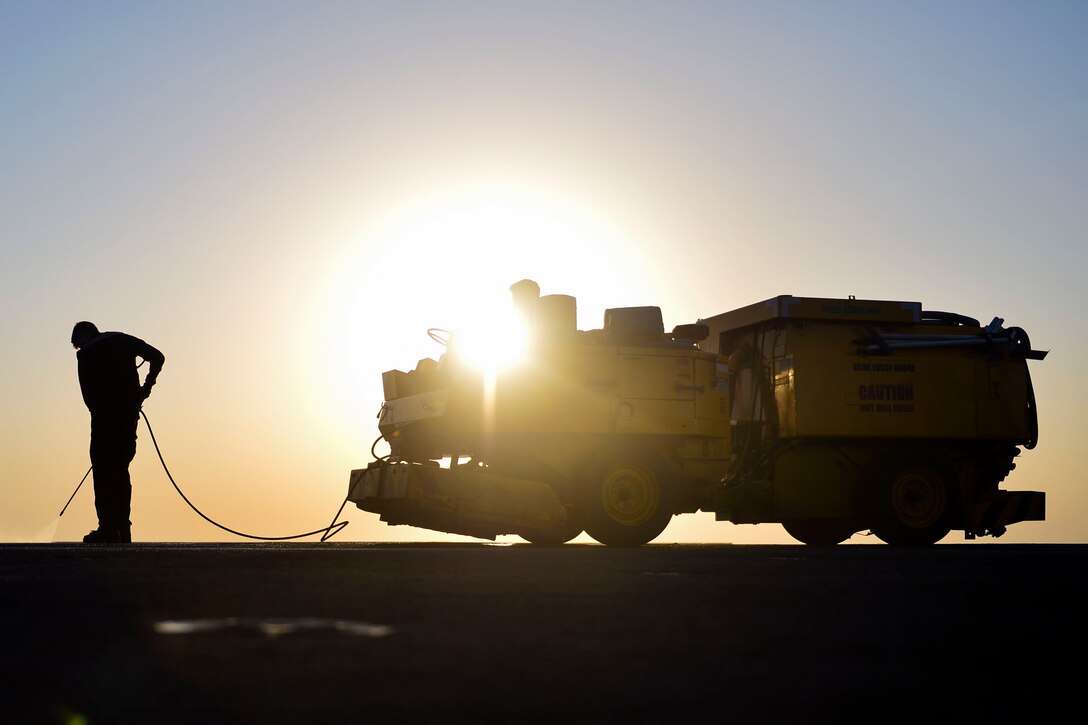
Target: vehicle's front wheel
pixel 820 532
pixel 626 502
pixel 552 537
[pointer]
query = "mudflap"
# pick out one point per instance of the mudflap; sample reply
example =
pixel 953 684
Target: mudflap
pixel 464 499
pixel 993 516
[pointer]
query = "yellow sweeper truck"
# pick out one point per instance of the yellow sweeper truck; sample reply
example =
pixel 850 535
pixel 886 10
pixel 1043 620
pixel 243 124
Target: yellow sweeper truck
pixel 828 416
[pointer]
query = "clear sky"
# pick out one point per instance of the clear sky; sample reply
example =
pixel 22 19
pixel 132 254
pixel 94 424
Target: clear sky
pixel 284 196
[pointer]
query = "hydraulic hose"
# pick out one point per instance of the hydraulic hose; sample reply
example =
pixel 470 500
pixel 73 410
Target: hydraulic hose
pixel 327 532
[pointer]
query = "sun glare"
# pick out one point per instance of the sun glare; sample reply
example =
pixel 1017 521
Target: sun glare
pixel 494 342
pixel 446 260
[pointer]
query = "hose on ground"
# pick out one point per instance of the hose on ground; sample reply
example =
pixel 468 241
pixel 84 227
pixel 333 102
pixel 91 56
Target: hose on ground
pixel 327 532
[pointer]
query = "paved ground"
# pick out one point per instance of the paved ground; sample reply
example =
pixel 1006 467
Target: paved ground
pixel 347 633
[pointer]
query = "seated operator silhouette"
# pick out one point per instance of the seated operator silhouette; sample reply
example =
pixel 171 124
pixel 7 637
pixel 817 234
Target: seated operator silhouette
pixel 110 383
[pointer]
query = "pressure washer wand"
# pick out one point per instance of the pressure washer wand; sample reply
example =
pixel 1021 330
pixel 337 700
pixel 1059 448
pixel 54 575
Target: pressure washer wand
pixel 76 491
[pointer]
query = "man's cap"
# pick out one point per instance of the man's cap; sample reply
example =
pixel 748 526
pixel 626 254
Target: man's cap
pixel 83 329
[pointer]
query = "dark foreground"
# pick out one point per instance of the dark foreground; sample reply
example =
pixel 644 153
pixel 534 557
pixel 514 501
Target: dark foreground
pixel 353 633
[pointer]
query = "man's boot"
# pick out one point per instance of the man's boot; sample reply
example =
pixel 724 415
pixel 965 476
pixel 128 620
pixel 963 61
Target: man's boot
pixel 104 535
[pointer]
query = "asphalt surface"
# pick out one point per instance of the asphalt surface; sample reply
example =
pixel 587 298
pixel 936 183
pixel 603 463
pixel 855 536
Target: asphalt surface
pixel 356 633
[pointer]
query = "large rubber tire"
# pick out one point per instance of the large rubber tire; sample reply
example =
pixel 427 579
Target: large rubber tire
pixel 820 532
pixel 627 500
pixel 913 505
pixel 552 538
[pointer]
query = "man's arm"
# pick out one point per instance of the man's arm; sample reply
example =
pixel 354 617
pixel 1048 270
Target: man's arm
pixel 155 361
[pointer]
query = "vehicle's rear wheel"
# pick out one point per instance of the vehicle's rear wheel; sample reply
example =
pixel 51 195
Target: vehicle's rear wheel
pixel 626 502
pixel 820 532
pixel 913 505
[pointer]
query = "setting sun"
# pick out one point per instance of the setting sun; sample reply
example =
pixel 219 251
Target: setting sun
pixel 444 261
pixel 492 342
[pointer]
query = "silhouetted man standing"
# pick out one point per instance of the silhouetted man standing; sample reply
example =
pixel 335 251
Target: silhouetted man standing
pixel 110 383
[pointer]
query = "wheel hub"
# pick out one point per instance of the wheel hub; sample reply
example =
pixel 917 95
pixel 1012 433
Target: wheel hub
pixel 630 496
pixel 918 498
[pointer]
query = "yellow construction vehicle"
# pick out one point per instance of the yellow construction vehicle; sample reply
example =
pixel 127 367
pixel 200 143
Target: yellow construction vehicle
pixel 829 416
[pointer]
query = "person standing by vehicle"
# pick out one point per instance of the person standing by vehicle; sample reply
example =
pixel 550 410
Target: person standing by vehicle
pixel 110 383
